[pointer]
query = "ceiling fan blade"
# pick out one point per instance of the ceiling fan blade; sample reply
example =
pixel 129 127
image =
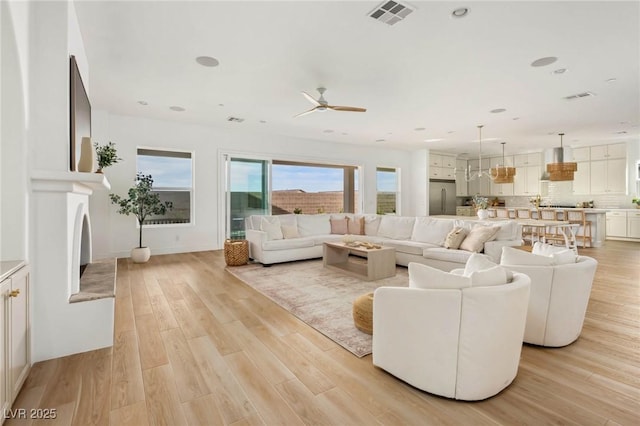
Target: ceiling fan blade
pixel 305 113
pixel 310 98
pixel 346 108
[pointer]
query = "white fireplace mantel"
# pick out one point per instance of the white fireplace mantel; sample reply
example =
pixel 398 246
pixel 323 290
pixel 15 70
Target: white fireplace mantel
pixel 74 182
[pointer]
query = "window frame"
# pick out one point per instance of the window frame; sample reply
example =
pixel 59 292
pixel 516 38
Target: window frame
pixel 192 216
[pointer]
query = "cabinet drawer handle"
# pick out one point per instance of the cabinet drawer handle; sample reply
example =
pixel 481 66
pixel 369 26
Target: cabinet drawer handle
pixel 14 293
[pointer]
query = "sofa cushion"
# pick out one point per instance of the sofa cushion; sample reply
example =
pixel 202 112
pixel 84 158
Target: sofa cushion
pixel 318 240
pixel 426 277
pixel 478 235
pixel 339 226
pixel 356 225
pixel 455 238
pixel 477 262
pixel 294 243
pixel 514 256
pixel 396 227
pixel 371 225
pixel 496 275
pixel 447 255
pixel 409 247
pixel 431 230
pixel 313 224
pixel 289 231
pixel 271 225
pixel 508 230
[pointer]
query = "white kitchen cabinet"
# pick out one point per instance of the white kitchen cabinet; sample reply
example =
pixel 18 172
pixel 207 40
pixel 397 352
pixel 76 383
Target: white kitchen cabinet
pixel 442 166
pixel 581 154
pixel 608 152
pixel 526 160
pixel 616 224
pixel 633 224
pixel 582 178
pixel 527 181
pixel 15 330
pixel 608 176
pixel 462 189
pixel 448 161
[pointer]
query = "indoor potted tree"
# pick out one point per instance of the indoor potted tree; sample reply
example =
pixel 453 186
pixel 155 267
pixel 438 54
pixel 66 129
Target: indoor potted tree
pixel 107 155
pixel 141 202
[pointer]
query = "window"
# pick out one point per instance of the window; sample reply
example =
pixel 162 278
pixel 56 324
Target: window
pixel 387 190
pixel 172 173
pixel 313 188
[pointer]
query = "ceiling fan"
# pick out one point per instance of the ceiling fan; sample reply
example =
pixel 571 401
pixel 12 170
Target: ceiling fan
pixel 321 104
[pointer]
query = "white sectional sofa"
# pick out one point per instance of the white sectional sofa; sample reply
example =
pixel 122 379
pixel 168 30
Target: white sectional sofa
pixel 283 238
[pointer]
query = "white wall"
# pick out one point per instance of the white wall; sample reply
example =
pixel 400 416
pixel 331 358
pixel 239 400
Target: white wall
pixel 115 235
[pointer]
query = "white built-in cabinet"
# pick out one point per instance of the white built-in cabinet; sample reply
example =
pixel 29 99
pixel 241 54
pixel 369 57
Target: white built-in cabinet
pixel 462 189
pixel 616 224
pixel 581 154
pixel 608 176
pixel 633 224
pixel 528 172
pixel 526 160
pixel 442 166
pixel 602 169
pixel 14 335
pixel 582 178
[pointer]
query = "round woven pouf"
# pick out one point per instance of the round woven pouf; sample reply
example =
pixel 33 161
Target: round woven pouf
pixel 363 313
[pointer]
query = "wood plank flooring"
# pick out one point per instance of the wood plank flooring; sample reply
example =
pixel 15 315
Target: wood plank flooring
pixel 193 345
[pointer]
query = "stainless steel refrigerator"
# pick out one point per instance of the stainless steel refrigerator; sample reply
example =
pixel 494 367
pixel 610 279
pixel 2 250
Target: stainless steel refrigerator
pixel 442 197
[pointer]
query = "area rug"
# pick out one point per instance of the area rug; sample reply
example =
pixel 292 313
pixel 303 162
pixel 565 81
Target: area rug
pixel 321 297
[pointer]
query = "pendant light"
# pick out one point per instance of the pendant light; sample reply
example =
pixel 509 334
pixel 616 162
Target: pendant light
pixel 468 175
pixel 502 173
pixel 560 170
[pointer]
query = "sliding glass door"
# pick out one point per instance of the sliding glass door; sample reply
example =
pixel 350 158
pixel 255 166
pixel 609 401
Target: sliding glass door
pixel 247 193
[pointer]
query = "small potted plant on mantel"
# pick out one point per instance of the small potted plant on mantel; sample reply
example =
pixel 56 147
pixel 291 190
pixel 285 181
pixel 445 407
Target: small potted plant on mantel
pixel 636 201
pixel 141 202
pixel 107 155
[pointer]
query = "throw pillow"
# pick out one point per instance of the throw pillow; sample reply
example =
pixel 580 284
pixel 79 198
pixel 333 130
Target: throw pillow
pixel 455 238
pixel 560 255
pixel 289 231
pixel 273 230
pixel 477 262
pixel 426 277
pixel 371 225
pixel 477 237
pixel 356 225
pixel 339 226
pixel 396 227
pixel 488 277
pixel 513 257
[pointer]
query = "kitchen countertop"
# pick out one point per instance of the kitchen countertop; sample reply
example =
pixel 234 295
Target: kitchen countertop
pixel 8 267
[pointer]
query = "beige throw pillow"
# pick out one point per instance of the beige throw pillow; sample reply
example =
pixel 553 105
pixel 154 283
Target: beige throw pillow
pixel 272 229
pixel 289 231
pixel 356 225
pixel 477 237
pixel 455 237
pixel 340 226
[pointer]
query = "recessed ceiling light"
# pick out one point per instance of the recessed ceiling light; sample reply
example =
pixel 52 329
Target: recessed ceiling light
pixel 328 131
pixel 143 102
pixel 419 129
pixel 176 108
pixel 551 133
pixel 451 131
pixel 559 71
pixel 262 121
pixel 611 80
pixel 207 61
pixel 380 140
pixel 460 12
pixel 542 62
pixel 497 110
pixel 220 105
pixel 622 132
pixel 433 140
pixel 345 133
pixel 516 118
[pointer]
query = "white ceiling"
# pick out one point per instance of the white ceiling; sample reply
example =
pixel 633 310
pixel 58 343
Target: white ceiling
pixel 429 71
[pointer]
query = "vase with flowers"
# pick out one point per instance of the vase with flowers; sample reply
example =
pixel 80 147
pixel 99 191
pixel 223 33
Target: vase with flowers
pixel 481 203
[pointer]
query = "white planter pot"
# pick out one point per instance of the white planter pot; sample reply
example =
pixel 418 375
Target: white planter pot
pixel 483 214
pixel 140 254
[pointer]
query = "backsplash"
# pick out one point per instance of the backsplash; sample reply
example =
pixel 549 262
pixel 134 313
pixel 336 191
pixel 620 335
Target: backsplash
pixel 561 193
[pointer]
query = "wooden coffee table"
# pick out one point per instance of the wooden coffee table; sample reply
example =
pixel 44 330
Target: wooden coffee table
pixel 377 263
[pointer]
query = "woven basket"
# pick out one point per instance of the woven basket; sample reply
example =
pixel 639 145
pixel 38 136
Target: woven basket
pixel 363 313
pixel 236 252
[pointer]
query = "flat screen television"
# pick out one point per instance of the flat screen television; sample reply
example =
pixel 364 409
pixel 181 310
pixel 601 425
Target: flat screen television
pixel 80 113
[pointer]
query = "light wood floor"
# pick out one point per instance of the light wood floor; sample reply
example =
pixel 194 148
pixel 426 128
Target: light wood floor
pixel 193 345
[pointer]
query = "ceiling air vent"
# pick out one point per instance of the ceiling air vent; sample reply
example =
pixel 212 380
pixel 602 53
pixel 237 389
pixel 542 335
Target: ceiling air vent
pixel 579 95
pixel 390 12
pixel 235 119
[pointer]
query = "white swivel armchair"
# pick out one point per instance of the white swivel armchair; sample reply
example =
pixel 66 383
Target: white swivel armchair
pixel 461 343
pixel 559 298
